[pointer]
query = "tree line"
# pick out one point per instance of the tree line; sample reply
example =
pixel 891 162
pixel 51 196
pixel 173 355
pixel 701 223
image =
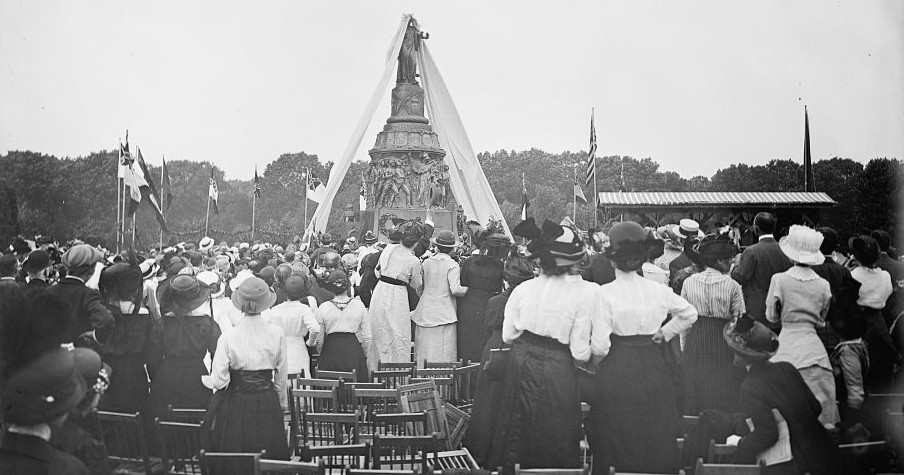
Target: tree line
pixel 76 197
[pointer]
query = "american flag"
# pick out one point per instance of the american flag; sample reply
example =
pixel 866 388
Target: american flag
pixel 362 196
pixel 591 161
pixel 257 184
pixel 213 192
pixel 524 202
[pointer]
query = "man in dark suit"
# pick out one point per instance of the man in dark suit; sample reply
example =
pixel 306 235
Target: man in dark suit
pixel 9 266
pixel 758 264
pixel 89 311
pixel 35 266
pixel 771 387
pixel 895 269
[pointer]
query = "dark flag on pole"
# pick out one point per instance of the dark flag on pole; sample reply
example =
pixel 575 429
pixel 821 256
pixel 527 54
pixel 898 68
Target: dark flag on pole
pixel 579 193
pixel 141 188
pixel 213 193
pixel 362 195
pixel 257 184
pixel 125 158
pixel 591 155
pixel 524 202
pixel 166 188
pixel 809 178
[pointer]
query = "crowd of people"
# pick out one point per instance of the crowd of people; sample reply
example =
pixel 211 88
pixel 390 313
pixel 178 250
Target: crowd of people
pixel 643 324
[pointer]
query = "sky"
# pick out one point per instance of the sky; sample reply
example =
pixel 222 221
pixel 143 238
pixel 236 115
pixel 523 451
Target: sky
pixel 695 85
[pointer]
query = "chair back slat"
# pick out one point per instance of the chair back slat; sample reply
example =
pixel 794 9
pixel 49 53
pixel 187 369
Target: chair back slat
pixel 443 364
pixel 329 429
pixel 404 452
pixel 273 467
pixel 454 460
pixel 556 471
pixel 192 416
pixel 338 459
pixel 123 436
pixel 405 423
pixel 392 378
pixel 423 397
pixel 444 386
pixel 720 453
pixel 465 385
pixel 221 463
pixel 407 366
pixel 181 444
pixel 351 376
pixel 727 469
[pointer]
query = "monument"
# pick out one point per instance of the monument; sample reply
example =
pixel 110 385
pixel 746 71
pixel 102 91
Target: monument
pixel 407 174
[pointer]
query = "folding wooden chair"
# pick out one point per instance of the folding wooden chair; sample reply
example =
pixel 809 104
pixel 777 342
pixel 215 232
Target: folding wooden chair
pixel 392 378
pixel 409 366
pixel 273 467
pixel 293 378
pixel 315 400
pixel 338 458
pixel 727 469
pixel 423 397
pixel 217 463
pixel 552 471
pixel 465 386
pixel 405 452
pixel 343 375
pixel 319 428
pixel 181 444
pixel 382 472
pixel 124 438
pixel 192 416
pixel 370 402
pixel 443 386
pixel 316 383
pixel 443 364
pixel 434 373
pixel 457 421
pixel 720 453
pixel 455 459
pixel 404 423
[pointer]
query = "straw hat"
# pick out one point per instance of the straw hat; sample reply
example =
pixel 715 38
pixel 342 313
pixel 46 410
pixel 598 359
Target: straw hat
pixel 206 244
pixel 183 293
pixel 802 245
pixel 446 238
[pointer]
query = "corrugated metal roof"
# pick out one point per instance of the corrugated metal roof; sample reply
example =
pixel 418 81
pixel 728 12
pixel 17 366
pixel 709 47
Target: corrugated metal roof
pixel 716 199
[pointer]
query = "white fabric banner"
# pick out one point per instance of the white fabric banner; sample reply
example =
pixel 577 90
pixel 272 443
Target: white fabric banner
pixel 466 178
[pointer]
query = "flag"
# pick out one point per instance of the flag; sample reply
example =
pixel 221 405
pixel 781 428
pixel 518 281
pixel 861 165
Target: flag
pixel 579 193
pixel 362 196
pixel 166 188
pixel 257 184
pixel 809 179
pixel 141 188
pixel 591 155
pixel 524 202
pixel 316 190
pixel 622 187
pixel 213 193
pixel 125 158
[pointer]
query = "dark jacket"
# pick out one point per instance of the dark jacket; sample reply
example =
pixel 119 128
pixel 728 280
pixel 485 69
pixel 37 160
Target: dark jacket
pixel 601 270
pixel 89 311
pixel 26 454
pixel 895 304
pixel 759 263
pixel 779 386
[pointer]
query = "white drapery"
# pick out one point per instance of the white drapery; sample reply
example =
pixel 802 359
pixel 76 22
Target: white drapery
pixel 469 184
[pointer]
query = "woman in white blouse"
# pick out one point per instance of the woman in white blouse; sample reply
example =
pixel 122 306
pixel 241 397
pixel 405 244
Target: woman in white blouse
pixel 547 322
pixel 636 410
pixel 296 317
pixel 345 341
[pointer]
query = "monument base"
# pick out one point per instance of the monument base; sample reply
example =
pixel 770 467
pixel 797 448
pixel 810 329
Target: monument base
pixel 383 219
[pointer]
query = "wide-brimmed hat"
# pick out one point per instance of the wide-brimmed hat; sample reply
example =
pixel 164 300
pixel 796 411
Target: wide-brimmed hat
pixel 446 238
pixel 213 282
pixel 369 237
pixel 183 293
pixel 555 245
pixel 206 244
pixel 865 249
pixel 750 338
pixel 716 246
pixel 36 261
pixel 121 279
pixel 42 389
pixel 629 240
pixel 802 245
pixel 253 296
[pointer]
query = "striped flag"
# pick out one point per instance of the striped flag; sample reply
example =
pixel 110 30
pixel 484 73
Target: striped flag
pixel 140 188
pixel 591 159
pixel 524 202
pixel 213 193
pixel 579 193
pixel 125 159
pixel 362 195
pixel 257 184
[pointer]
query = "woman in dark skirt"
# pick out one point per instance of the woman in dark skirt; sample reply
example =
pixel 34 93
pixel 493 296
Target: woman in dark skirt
pixel 248 373
pixel 636 411
pixel 480 432
pixel 482 275
pixel 547 322
pixel 345 339
pixel 125 347
pixel 188 334
pixel 711 379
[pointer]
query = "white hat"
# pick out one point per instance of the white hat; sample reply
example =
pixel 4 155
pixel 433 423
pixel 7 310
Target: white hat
pixel 149 268
pixel 802 245
pixel 205 244
pixel 210 278
pixel 238 279
pixel 244 246
pixel 689 227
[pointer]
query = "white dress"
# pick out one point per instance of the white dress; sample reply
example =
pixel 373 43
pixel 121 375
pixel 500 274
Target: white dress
pixel 389 312
pixel 301 329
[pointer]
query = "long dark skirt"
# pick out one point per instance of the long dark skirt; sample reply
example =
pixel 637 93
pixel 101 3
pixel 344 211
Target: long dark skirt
pixel 634 415
pixel 486 404
pixel 178 383
pixel 128 391
pixel 343 352
pixel 538 421
pixel 882 352
pixel 711 379
pixel 472 332
pixel 246 418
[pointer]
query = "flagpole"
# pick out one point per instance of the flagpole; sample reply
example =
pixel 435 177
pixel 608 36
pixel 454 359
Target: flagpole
pixel 253 205
pixel 207 219
pixel 122 222
pixel 162 203
pixel 574 196
pixel 307 181
pixel 118 204
pixel 596 223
